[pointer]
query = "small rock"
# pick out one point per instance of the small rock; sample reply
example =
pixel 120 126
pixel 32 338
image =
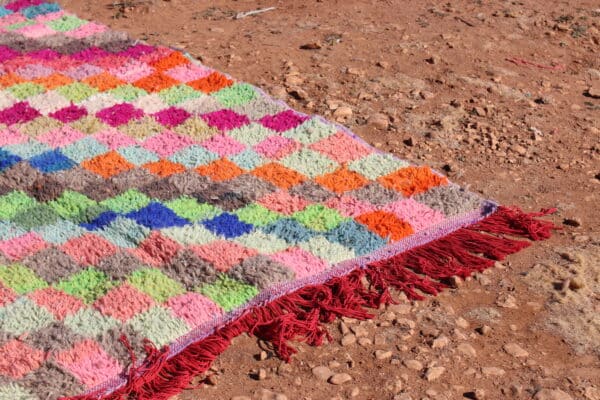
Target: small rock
pixel 322 373
pixel 507 301
pixel 365 342
pixel 551 394
pixel 492 371
pixel 359 331
pixel 354 71
pixel 515 350
pixel 477 394
pixel 293 80
pixel 241 398
pixel 434 373
pixel 574 222
pixel 425 95
pixel 462 323
pixel 479 111
pixel 344 328
pixel 433 60
pixel 576 283
pixel 262 374
pixel 383 64
pixel 379 121
pixel 268 395
pixel 520 150
pixel 440 342
pixel 340 379
pixel 594 91
pixel 383 354
pixel 262 356
pixel 342 112
pixel 467 349
pixel 354 392
pixel 311 46
pixel 348 340
pixel 298 93
pixel 414 365
pixel 212 380
pixel 484 330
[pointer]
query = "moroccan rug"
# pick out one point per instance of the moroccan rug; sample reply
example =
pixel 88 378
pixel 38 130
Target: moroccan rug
pixel 152 209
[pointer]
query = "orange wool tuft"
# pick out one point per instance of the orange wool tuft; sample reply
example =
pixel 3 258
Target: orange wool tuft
pixel 412 180
pixel 220 170
pixel 155 82
pixel 211 83
pixel 108 164
pixel 342 180
pixel 10 79
pixel 164 168
pixel 54 81
pixel 386 225
pixel 103 81
pixel 279 175
pixel 172 60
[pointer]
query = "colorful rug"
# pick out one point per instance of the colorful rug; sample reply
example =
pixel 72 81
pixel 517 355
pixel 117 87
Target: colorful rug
pixel 151 209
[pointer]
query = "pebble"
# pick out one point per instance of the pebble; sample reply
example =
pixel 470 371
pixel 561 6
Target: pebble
pixel 594 91
pixel 354 392
pixel 551 394
pixel 576 283
pixel 359 331
pixel 467 349
pixel 212 380
pixel 440 342
pixel 492 371
pixel 348 340
pixel 344 328
pixel 477 394
pixel 520 150
pixel 383 354
pixel 379 121
pixel 414 365
pixel 515 350
pixel 342 112
pixel 263 355
pixel 262 374
pixel 268 395
pixel 322 373
pixel 484 330
pixel 340 379
pixel 434 373
pixel 462 323
pixel 365 342
pixel 241 398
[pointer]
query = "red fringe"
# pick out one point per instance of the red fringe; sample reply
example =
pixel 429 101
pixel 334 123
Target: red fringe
pixel 301 315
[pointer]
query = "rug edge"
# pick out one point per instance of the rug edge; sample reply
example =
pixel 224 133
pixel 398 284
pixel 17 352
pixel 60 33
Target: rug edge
pixel 301 315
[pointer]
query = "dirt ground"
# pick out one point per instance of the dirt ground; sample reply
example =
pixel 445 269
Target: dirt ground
pixel 504 96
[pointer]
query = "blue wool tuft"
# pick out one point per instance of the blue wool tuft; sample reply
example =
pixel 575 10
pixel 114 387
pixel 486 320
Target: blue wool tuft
pixel 7 160
pixel 157 216
pixel 227 225
pixel 100 221
pixel 42 9
pixel 51 161
pixel 289 230
pixel 355 236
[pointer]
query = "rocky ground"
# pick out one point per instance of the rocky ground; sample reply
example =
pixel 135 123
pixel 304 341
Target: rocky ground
pixel 503 96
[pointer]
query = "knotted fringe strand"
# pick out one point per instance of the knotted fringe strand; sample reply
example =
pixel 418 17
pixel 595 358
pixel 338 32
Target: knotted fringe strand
pixel 301 315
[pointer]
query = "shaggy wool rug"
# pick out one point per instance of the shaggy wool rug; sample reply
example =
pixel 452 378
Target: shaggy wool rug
pixel 151 209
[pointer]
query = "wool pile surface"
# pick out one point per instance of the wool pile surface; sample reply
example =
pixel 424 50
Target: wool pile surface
pixel 151 209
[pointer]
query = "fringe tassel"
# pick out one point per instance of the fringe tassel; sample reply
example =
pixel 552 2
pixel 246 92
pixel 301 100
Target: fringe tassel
pixel 301 315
